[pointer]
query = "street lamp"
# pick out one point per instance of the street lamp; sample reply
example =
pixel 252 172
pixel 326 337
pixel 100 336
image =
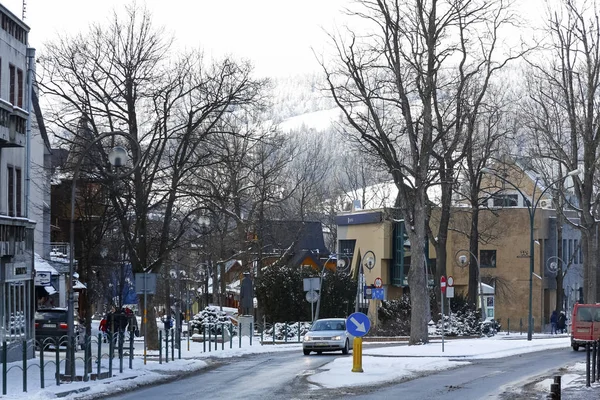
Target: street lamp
pixel 462 262
pixel 332 256
pixel 117 157
pixel 531 207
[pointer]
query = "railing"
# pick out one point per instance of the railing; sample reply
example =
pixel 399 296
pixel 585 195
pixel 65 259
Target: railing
pixel 59 251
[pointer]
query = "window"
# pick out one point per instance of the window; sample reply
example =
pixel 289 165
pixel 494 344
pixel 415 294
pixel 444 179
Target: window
pixel 11 191
pixel 505 200
pixel 19 192
pixel 487 258
pixel 19 88
pixel 11 80
pixel 575 252
pixel 347 247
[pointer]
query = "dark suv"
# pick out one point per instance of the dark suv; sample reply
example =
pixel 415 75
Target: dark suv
pixel 51 327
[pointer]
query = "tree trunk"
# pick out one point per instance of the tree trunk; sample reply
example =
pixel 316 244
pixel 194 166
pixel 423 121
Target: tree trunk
pixel 419 292
pixel 150 329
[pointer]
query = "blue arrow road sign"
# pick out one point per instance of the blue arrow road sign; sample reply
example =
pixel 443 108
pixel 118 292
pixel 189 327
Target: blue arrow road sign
pixel 358 324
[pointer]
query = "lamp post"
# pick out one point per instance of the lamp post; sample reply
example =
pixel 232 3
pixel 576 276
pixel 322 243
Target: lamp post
pixel 117 158
pixel 331 257
pixel 462 261
pixel 531 208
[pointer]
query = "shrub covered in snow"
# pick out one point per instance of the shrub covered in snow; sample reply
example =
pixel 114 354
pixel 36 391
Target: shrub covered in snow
pixel 394 318
pixel 214 319
pixel 290 330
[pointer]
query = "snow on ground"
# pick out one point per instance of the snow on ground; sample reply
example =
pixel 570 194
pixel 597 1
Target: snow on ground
pixel 379 364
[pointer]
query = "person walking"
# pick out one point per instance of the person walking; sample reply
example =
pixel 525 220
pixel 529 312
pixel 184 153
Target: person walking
pixel 561 323
pixel 553 321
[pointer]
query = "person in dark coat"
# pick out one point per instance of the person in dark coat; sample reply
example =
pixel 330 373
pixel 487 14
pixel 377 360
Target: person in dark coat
pixel 561 323
pixel 554 321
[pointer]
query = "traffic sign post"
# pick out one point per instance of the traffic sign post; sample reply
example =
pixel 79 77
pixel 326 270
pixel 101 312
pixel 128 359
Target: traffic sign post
pixel 443 290
pixel 357 325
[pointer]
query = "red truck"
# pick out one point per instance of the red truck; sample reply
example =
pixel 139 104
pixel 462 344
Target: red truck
pixel 585 324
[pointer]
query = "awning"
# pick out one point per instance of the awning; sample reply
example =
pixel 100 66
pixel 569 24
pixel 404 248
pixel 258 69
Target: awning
pixel 41 265
pixel 50 289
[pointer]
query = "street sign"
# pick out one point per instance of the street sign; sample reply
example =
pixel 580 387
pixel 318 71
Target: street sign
pixel 377 294
pixel 358 324
pixel 450 280
pixel 311 284
pixel 368 292
pixel 145 283
pixel 443 284
pixel 378 282
pixel 312 296
pixel 450 292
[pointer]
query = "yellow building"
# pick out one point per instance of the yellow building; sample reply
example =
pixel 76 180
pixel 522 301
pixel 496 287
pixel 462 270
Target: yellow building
pixel 503 255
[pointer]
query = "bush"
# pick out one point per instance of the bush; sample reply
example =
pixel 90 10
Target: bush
pixel 291 330
pixel 214 320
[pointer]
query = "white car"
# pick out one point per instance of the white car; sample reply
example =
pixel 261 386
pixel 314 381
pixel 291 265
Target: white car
pixel 327 335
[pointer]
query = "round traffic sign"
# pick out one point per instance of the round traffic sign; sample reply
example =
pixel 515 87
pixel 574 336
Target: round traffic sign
pixel 378 282
pixel 443 284
pixel 312 296
pixel 450 280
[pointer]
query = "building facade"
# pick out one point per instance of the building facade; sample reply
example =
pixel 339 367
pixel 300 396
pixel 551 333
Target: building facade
pixel 504 259
pixel 16 226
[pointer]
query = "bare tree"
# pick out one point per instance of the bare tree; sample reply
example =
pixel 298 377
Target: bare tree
pixel 120 78
pixel 562 107
pixel 409 93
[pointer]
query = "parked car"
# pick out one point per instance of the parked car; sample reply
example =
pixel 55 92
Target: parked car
pixel 327 335
pixel 585 324
pixel 51 327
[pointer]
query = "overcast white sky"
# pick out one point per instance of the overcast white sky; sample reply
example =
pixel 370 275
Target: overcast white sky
pixel 276 35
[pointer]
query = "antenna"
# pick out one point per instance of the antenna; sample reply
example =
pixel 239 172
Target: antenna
pixel 24 10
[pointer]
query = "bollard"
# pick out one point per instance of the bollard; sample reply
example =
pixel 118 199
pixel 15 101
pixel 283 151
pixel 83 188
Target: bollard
pixel 42 368
pixel 251 333
pixel 262 333
pixel 166 345
pixel 587 365
pixel 209 339
pixel 131 351
pixel 240 334
pixel 24 355
pixel 160 347
pixel 286 331
pixel 57 363
pixel 508 326
pixel 99 355
pixel 357 355
pixel 222 337
pixel 231 336
pixel 121 342
pixel 594 350
pixel 557 386
pixel 5 363
pixel 204 338
pixel 298 331
pixel 520 326
pixel 274 325
pixel 172 346
pixel 111 350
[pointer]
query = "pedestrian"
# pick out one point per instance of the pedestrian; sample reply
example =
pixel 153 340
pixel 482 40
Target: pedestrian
pixel 553 321
pixel 561 323
pixel 103 327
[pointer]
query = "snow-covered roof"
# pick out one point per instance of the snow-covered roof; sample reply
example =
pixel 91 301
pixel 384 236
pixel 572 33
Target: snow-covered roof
pixel 41 265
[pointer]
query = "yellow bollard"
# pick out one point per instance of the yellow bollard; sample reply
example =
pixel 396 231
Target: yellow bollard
pixel 357 355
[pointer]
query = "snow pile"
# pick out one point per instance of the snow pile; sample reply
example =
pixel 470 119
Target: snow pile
pixel 290 330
